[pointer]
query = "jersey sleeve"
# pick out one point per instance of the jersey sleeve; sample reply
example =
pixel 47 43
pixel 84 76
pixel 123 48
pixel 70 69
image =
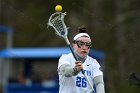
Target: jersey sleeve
pixel 64 59
pixel 97 69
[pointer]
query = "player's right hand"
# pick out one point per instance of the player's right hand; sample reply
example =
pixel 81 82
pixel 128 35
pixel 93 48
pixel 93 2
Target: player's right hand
pixel 78 66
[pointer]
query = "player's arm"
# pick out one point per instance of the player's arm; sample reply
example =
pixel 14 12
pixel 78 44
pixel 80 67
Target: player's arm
pixel 98 80
pixel 69 71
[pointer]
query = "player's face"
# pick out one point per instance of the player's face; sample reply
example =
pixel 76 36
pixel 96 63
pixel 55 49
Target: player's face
pixel 82 46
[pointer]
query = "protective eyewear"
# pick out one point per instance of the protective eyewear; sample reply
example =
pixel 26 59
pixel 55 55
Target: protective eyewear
pixel 81 43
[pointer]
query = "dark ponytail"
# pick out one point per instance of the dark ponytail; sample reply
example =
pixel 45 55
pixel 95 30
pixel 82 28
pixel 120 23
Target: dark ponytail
pixel 82 29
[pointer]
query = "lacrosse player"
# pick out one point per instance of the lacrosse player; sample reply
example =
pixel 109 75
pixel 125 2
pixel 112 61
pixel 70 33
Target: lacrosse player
pixel 71 79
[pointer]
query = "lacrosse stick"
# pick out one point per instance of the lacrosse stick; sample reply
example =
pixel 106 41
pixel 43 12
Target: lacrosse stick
pixel 56 20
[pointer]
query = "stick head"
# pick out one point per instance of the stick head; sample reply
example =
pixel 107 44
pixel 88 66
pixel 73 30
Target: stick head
pixel 56 20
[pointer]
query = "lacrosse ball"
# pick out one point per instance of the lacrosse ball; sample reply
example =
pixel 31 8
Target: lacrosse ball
pixel 58 8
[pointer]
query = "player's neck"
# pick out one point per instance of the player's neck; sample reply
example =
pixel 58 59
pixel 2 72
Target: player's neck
pixel 81 59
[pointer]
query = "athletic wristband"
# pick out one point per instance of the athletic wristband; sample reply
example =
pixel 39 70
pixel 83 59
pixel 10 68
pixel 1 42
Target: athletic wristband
pixel 75 71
